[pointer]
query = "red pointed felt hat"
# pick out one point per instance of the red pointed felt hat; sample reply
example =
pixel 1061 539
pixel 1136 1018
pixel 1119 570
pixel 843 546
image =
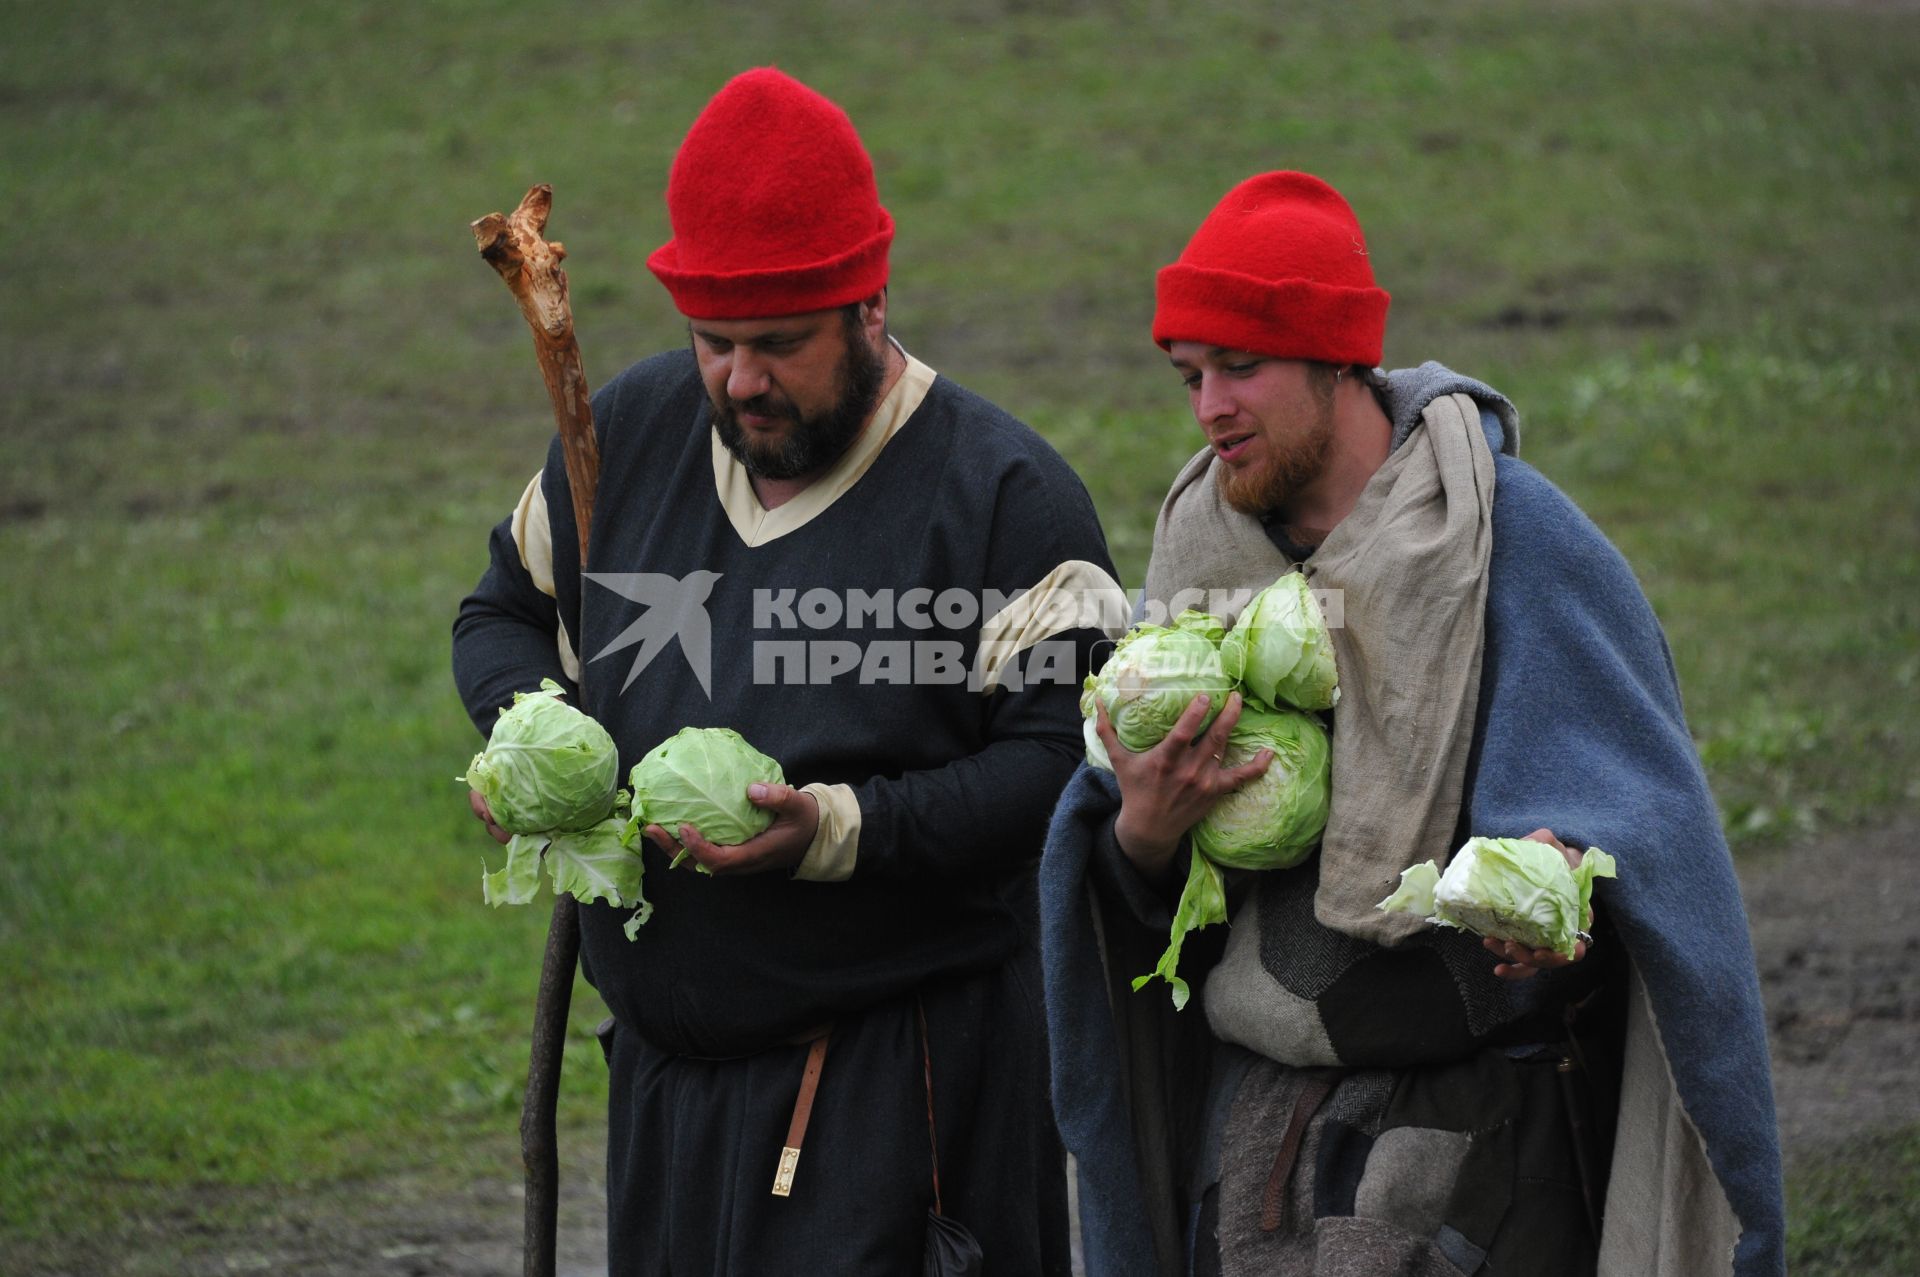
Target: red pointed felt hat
pixel 773 206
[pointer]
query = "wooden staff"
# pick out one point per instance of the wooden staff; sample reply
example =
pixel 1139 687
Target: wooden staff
pixel 514 245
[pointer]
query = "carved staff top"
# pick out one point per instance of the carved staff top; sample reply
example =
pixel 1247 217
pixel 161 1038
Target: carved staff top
pixel 514 245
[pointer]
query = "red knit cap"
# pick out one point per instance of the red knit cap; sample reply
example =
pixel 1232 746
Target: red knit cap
pixel 773 205
pixel 1278 268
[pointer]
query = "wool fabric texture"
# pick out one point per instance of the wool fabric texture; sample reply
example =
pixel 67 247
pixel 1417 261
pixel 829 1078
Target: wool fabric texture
pixel 1579 729
pixel 773 205
pixel 1410 564
pixel 1279 268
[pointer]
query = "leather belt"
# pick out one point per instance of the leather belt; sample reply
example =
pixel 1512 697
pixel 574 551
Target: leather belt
pixel 1314 1090
pixel 802 1111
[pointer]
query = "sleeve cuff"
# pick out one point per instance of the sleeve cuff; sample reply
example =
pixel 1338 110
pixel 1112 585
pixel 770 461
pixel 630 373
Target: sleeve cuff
pixel 1115 873
pixel 836 843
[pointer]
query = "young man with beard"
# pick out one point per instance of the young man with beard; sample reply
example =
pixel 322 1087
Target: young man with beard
pixel 876 578
pixel 1351 1091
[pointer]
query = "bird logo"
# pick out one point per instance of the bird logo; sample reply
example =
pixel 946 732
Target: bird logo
pixel 672 607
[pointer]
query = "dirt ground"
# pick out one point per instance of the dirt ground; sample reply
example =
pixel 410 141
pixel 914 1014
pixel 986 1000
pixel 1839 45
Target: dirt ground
pixel 1840 969
pixel 1839 966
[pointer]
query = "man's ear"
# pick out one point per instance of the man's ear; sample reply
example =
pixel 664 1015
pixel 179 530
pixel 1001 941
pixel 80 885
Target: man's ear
pixel 873 316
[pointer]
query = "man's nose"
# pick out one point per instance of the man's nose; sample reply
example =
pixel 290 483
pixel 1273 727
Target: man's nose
pixel 746 377
pixel 1214 402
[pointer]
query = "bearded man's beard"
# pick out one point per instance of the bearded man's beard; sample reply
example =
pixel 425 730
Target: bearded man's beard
pixel 1290 465
pixel 812 443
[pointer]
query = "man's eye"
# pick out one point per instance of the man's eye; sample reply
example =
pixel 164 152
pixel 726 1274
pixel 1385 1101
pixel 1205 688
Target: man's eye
pixel 1241 370
pixel 1191 381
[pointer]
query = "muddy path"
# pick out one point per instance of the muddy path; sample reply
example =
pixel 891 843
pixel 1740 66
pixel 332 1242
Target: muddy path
pixel 1839 962
pixel 1839 958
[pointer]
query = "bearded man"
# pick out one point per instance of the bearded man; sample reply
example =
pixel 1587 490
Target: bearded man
pixel 876 578
pixel 1350 1091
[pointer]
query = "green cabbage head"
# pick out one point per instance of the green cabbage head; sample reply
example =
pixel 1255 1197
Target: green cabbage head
pixel 1089 728
pixel 1271 822
pixel 1151 678
pixel 699 777
pixel 547 766
pixel 1274 820
pixel 1507 888
pixel 1205 624
pixel 1279 649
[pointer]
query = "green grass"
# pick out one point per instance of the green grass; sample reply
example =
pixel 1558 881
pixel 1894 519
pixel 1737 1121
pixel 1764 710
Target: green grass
pixel 262 404
pixel 1857 1210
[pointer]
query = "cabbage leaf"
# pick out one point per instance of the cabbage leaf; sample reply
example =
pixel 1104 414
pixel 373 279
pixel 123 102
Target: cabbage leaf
pixel 1203 902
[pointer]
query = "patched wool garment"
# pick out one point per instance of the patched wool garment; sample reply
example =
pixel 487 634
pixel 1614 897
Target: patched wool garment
pixel 1455 1169
pixel 1578 728
pixel 1422 1089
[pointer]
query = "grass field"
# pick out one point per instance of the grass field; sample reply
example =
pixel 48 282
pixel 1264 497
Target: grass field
pixel 261 404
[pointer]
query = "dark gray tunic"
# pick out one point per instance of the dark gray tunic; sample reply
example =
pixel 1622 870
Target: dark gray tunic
pixel 954 785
